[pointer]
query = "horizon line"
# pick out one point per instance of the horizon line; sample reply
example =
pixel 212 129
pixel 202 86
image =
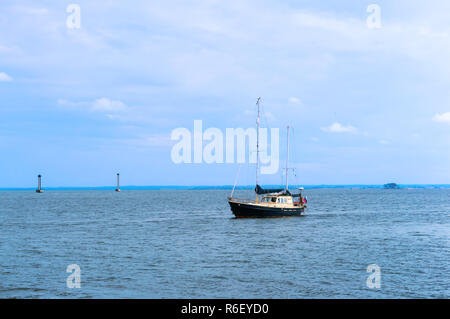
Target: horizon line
pixel 193 187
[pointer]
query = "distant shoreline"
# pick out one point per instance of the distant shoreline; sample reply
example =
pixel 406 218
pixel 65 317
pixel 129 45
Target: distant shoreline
pixel 225 187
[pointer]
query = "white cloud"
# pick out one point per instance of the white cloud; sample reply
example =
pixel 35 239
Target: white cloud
pixel 106 105
pixel 269 116
pixel 64 102
pixel 99 105
pixel 31 10
pixel 294 100
pixel 202 33
pixel 442 118
pixel 71 104
pixel 4 49
pixel 384 142
pixel 160 140
pixel 5 77
pixel 339 128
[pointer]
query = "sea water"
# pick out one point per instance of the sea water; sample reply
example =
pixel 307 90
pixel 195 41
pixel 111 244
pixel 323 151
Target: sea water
pixel 186 244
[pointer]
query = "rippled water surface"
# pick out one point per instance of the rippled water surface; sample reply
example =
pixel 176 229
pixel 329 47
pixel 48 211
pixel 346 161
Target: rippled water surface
pixel 173 244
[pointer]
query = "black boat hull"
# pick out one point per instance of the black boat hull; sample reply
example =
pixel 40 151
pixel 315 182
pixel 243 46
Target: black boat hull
pixel 242 210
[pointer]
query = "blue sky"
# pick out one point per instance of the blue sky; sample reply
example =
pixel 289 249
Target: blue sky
pixel 368 106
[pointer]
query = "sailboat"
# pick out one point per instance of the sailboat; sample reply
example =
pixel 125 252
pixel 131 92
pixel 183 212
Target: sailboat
pixel 268 202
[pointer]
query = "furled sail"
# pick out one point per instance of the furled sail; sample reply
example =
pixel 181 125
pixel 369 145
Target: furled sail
pixel 260 191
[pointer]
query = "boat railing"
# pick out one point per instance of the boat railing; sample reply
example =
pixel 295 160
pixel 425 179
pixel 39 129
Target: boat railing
pixel 242 199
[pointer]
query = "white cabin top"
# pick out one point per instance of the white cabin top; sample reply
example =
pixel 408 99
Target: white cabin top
pixel 277 199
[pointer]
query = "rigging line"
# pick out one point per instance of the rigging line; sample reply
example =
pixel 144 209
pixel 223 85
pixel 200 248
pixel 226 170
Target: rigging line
pixel 235 180
pixel 264 116
pixel 297 178
pixel 264 119
pixel 267 126
pixel 281 179
pixel 294 155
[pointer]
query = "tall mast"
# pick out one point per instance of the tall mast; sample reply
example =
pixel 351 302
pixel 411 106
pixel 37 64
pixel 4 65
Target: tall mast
pixel 257 141
pixel 287 158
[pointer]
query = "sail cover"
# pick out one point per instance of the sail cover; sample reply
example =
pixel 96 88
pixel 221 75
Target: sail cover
pixel 260 191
